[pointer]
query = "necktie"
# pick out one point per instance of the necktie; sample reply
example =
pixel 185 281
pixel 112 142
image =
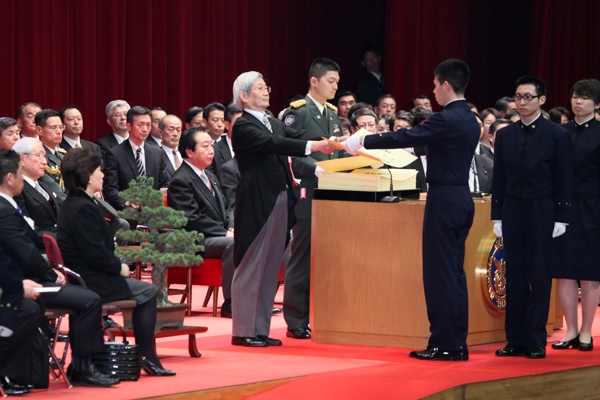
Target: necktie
pixel 267 123
pixel 325 112
pixel 19 210
pixel 41 191
pixel 77 145
pixel 139 163
pixel 177 160
pixel 206 181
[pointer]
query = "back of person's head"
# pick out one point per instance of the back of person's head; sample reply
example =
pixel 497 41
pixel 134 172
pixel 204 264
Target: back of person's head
pixel 540 88
pixel 77 166
pixel 42 116
pixel 512 114
pixel 231 111
pixel 188 140
pixel 359 106
pixel 362 112
pixel 137 111
pixel 9 163
pixel 346 124
pixel 502 103
pixel 210 108
pixel 586 88
pixel 320 67
pixel 421 116
pixel 455 72
pixel 496 123
pixel 191 113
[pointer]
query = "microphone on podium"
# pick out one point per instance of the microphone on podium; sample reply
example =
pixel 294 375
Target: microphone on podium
pixel 391 198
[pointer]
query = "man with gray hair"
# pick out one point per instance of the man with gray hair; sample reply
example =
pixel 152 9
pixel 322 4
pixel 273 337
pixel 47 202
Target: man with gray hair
pixel 9 133
pixel 264 209
pixel 170 132
pixel 116 118
pixel 26 119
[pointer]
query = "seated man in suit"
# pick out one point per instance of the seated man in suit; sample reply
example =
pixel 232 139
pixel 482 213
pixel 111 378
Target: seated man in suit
pixel 18 240
pixel 224 148
pixel 193 117
pixel 131 159
pixel 49 127
pixel 481 174
pixel 38 201
pixel 9 133
pixel 196 192
pixel 214 120
pixel 155 138
pixel 116 118
pixel 170 130
pixel 26 119
pixel 72 119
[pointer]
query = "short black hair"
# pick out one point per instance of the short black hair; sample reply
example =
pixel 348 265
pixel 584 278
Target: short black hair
pixel 511 114
pixel 77 166
pixel 405 115
pixel 538 83
pixel 385 96
pixel 42 116
pixel 320 67
pixel 422 115
pixel 494 125
pixel 502 103
pixel 188 140
pixel 191 113
pixel 22 108
pixel 343 93
pixel 455 72
pixel 157 109
pixel 361 113
pixel 137 111
pixel 6 122
pixel 231 111
pixel 359 106
pixel 212 107
pixel 489 111
pixel 9 163
pixel 556 114
pixel 61 113
pixel 589 88
pixel 421 97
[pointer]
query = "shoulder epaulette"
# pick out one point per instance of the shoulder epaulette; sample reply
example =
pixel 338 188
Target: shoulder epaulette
pixel 334 108
pixel 298 103
pixel 60 150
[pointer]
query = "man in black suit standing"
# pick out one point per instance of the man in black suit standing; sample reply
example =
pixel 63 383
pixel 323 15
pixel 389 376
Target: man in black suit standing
pixel 224 148
pixel 214 120
pixel 72 119
pixel 18 240
pixel 170 131
pixel 264 209
pixel 131 159
pixel 481 174
pixel 195 191
pixel 450 138
pixel 371 85
pixel 116 118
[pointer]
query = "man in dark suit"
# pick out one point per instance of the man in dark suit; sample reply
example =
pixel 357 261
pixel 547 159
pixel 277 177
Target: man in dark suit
pixel 116 118
pixel 224 148
pixel 26 119
pixel 371 85
pixel 72 119
pixel 37 201
pixel 18 240
pixel 214 120
pixel 170 130
pixel 131 159
pixel 155 138
pixel 230 180
pixel 315 114
pixel 531 200
pixel 195 191
pixel 450 138
pixel 264 209
pixel 481 174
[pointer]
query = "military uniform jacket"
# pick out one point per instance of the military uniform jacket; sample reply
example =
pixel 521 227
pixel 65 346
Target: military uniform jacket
pixel 533 162
pixel 54 161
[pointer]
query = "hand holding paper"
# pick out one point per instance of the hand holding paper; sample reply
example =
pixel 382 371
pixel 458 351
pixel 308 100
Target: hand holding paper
pixel 353 143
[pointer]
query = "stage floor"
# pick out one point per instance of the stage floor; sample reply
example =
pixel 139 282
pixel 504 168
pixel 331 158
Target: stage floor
pixel 302 369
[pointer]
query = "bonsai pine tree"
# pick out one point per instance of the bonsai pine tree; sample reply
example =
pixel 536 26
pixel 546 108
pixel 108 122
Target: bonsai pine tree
pixel 163 243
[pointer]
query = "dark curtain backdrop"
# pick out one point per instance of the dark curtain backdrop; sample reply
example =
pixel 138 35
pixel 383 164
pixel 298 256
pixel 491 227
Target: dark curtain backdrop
pixel 179 53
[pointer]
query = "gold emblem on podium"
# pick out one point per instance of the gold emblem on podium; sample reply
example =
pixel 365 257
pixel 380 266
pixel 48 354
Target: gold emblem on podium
pixel 496 277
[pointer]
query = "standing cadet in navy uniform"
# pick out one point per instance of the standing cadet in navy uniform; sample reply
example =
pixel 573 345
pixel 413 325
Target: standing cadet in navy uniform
pixel 315 114
pixel 450 138
pixel 531 198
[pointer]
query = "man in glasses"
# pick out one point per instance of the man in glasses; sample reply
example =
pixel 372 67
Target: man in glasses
pixel 116 118
pixel 531 199
pixel 386 105
pixel 364 119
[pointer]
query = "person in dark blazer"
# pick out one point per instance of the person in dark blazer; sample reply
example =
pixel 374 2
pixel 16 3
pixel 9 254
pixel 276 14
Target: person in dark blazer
pixel 204 205
pixel 264 208
pixel 72 119
pixel 17 238
pixel 87 247
pixel 450 138
pixel 531 201
pixel 121 163
pixel 315 114
pixel 371 85
pixel 484 173
pixel 170 129
pixel 116 118
pixel 230 180
pixel 224 149
pixel 155 137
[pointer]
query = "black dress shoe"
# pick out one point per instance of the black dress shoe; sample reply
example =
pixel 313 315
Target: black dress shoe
pixel 152 369
pixel 12 389
pixel 91 377
pixel 512 350
pixel 587 346
pixel 299 333
pixel 437 354
pixel 536 353
pixel 565 344
pixel 276 310
pixel 269 341
pixel 248 341
pixel 226 309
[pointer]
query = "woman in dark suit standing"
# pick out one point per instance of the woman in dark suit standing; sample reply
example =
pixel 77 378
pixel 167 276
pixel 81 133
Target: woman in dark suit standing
pixel 577 252
pixel 87 247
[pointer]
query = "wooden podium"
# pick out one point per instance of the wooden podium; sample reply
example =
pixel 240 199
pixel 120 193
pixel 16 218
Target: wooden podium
pixel 366 275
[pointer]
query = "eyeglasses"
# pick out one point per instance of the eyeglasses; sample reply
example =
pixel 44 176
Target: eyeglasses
pixel 120 115
pixel 526 97
pixel 367 125
pixel 39 155
pixel 261 88
pixel 55 127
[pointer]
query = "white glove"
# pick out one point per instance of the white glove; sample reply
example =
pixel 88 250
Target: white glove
pixel 353 143
pixel 559 229
pixel 498 228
